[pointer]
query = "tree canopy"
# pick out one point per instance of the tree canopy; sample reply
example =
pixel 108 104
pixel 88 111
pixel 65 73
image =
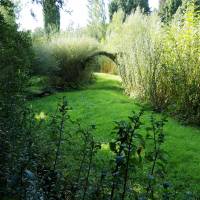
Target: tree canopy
pixel 127 6
pixel 97 18
pixel 169 7
pixel 51 13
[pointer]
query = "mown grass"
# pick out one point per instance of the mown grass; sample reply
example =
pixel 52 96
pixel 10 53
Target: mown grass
pixel 103 102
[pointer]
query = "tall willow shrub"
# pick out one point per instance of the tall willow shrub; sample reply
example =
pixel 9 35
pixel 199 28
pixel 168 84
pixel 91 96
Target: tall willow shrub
pixel 160 63
pixel 140 48
pixel 182 58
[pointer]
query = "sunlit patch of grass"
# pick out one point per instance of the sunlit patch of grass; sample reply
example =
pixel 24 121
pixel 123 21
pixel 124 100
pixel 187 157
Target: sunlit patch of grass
pixel 41 116
pixel 108 76
pixel 105 146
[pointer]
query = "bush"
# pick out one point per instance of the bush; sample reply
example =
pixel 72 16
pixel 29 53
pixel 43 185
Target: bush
pixel 138 47
pixel 62 57
pixel 160 63
pixel 183 64
pixel 15 59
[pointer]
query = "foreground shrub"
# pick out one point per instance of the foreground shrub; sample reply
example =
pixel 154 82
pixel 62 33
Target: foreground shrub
pixel 61 57
pixel 15 59
pixel 160 63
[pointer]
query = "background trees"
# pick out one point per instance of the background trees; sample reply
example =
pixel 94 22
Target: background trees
pixel 127 6
pixel 97 19
pixel 51 12
pixel 169 7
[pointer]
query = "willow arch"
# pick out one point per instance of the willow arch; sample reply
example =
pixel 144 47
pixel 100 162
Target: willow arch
pixel 111 56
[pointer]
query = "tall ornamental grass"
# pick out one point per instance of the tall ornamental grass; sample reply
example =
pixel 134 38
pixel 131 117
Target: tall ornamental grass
pixel 61 58
pixel 160 63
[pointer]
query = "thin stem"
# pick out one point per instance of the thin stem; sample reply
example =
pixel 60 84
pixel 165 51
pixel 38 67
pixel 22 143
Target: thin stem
pixel 99 191
pixel 114 184
pixel 155 149
pixel 79 171
pixel 81 166
pixel 60 138
pixel 149 188
pixel 127 166
pixel 88 173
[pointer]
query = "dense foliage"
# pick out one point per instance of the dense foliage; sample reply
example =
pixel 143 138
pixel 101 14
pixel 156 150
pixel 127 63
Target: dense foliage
pixel 15 55
pixel 62 58
pixel 160 63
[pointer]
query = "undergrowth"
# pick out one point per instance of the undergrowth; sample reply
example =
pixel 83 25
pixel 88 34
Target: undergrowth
pixel 62 162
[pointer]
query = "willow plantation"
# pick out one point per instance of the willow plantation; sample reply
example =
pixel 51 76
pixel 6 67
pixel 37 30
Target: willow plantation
pixel 104 108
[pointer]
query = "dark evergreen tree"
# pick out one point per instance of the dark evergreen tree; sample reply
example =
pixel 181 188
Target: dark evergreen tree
pixel 113 7
pixel 144 4
pixel 127 6
pixel 169 7
pixel 51 12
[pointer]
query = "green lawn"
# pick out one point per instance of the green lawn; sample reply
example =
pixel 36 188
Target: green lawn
pixel 103 102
